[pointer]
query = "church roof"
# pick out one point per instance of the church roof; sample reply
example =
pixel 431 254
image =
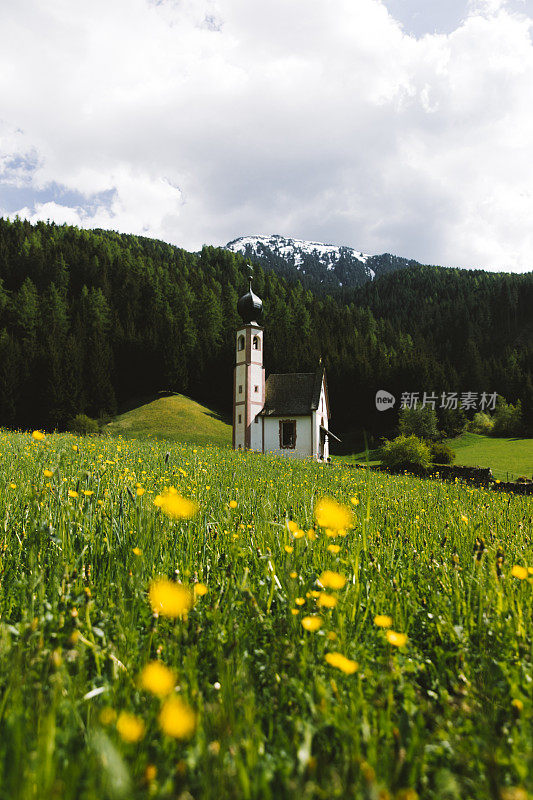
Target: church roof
pixel 293 393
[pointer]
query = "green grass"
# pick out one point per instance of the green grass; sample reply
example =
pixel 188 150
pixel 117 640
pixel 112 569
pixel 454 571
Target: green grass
pixel 448 715
pixel 504 456
pixel 510 457
pixel 175 418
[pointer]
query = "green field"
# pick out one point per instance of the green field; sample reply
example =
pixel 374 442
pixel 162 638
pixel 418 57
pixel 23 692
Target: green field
pixel 513 457
pixel 508 458
pixel 175 418
pixel 262 703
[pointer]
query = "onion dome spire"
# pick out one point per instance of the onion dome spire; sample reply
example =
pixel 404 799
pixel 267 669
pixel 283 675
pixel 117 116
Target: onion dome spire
pixel 250 306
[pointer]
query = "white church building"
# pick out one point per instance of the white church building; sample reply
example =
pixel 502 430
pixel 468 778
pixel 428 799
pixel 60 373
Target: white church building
pixel 287 414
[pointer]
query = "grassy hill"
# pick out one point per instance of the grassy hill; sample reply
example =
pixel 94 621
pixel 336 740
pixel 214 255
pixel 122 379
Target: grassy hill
pixel 176 418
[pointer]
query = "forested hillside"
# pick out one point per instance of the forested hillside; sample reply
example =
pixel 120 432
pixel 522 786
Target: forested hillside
pixel 91 319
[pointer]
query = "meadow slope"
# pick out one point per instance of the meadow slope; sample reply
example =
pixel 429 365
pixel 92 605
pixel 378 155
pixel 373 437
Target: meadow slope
pixel 280 681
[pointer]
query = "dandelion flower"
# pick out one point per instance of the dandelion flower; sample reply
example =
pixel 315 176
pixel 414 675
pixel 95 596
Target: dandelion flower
pixel 332 580
pixel 300 601
pixel 327 601
pixel 292 526
pixel 341 662
pixel 47 473
pixel 158 679
pixel 288 548
pixel 38 436
pixel 518 704
pixel 396 639
pixel 72 493
pixel 312 623
pixel 463 518
pixel 233 504
pixel 332 515
pixel 383 621
pixel 137 551
pixel 333 548
pixel 140 491
pixel 519 572
pixel 295 611
pixel 200 589
pixel 169 599
pixel 177 719
pixel 130 727
pixel 174 505
pixel 293 574
pixel 88 492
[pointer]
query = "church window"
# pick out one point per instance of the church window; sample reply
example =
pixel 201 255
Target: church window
pixel 240 418
pixel 256 343
pixel 256 388
pixel 240 389
pixel 287 434
pixel 240 343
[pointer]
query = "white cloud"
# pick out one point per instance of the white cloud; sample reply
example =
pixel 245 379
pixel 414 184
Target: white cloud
pixel 207 119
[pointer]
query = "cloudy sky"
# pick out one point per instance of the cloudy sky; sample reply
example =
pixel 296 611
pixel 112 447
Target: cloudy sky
pixel 402 126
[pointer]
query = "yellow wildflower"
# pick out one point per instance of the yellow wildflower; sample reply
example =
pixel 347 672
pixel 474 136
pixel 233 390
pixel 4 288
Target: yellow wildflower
pixel 519 572
pixel 177 719
pixel 341 662
pixel 200 589
pixel 332 515
pixel 137 551
pixel 293 574
pixel 327 601
pixel 332 580
pixel 312 623
pixel 174 505
pixel 88 492
pixel 38 436
pixel 518 704
pixel 140 491
pixel 158 679
pixel 288 548
pixel 47 473
pixel 300 601
pixel 291 525
pixel 72 493
pixel 333 548
pixel 396 639
pixel 170 599
pixel 295 611
pixel 233 504
pixel 130 727
pixel 463 518
pixel 383 621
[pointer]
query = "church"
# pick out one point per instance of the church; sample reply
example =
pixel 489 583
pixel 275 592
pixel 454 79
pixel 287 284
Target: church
pixel 288 414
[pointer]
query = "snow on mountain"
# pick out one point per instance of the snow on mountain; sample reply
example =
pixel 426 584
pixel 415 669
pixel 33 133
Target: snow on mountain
pixel 297 251
pixel 320 267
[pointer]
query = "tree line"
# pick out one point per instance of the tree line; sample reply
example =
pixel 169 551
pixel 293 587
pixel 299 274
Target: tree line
pixel 92 320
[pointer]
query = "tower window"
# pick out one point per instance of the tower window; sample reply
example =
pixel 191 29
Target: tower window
pixel 240 389
pixel 240 419
pixel 240 343
pixel 287 434
pixel 256 419
pixel 256 388
pixel 256 342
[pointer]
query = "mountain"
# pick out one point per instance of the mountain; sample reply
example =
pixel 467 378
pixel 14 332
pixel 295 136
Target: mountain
pixel 317 266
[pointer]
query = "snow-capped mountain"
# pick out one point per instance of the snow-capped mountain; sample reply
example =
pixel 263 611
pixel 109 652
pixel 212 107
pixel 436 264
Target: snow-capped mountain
pixel 317 265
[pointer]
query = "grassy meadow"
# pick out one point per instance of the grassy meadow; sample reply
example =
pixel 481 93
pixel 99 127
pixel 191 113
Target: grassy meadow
pixel 389 660
pixel 507 457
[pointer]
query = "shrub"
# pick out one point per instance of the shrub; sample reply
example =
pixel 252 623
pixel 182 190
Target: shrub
pixel 406 452
pixel 441 453
pixel 420 422
pixel 482 423
pixel 83 424
pixel 507 419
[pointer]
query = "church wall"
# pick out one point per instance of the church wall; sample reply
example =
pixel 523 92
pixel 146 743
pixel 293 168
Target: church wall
pixel 304 429
pixel 320 417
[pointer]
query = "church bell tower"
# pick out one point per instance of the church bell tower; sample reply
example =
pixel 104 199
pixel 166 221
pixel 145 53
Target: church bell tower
pixel 248 376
